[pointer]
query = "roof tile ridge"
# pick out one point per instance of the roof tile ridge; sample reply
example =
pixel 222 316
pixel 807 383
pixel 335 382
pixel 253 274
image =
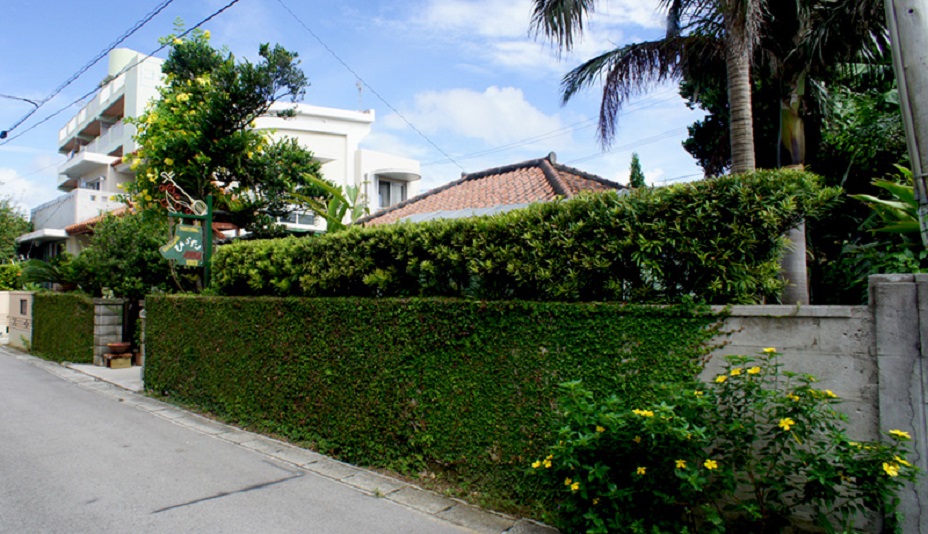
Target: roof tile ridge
pixel 589 176
pixel 551 174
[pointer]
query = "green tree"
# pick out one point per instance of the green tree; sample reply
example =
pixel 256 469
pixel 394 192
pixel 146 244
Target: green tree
pixel 200 131
pixel 123 255
pixel 636 176
pixel 13 223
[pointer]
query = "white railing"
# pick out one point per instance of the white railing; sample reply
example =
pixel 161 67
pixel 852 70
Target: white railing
pixel 74 207
pixel 92 109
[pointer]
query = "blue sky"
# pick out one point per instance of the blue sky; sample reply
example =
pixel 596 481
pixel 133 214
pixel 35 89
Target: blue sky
pixel 466 73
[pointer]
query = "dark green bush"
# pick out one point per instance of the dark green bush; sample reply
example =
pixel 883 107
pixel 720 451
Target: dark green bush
pixel 62 327
pixel 459 387
pixel 716 240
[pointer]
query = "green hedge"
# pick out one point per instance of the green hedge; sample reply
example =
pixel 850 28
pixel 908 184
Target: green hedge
pixel 62 327
pixel 716 240
pixel 460 386
pixel 9 276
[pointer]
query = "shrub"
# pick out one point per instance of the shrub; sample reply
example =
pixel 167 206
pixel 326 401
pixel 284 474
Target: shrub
pixel 10 276
pixel 457 388
pixel 743 453
pixel 62 327
pixel 717 240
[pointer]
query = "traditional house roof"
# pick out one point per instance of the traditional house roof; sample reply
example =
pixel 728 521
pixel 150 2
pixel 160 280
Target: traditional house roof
pixel 87 225
pixel 493 191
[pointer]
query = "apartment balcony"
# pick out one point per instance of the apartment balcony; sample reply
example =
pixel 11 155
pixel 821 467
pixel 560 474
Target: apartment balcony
pixel 107 107
pixel 74 207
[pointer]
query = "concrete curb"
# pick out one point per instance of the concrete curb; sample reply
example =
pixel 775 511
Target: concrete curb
pixel 368 482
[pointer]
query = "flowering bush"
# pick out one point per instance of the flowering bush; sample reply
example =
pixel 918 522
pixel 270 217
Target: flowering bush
pixel 753 450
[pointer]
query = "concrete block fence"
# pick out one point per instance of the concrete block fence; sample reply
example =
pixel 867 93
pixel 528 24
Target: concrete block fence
pixel 875 357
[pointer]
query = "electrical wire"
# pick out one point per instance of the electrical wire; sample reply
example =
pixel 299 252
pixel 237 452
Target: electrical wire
pixel 570 128
pixel 135 27
pixel 635 144
pixel 118 74
pixel 369 87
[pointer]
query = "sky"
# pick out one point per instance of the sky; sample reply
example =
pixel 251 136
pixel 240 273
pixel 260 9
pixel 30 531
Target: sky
pixel 479 89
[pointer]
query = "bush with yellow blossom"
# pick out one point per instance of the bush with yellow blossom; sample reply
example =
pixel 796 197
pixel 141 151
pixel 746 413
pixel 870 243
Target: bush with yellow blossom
pixel 755 449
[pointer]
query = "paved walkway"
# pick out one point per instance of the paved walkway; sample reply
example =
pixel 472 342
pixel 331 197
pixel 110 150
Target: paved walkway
pixel 123 384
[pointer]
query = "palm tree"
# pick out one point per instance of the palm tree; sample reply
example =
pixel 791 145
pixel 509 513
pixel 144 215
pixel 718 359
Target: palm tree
pixel 695 28
pixel 796 40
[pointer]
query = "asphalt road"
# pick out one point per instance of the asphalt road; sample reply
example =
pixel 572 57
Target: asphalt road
pixel 73 460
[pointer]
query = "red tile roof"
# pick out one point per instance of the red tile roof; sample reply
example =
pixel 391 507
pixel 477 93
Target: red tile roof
pixel 537 180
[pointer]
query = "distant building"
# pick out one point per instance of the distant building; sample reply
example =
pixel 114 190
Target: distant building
pixel 494 190
pixel 96 139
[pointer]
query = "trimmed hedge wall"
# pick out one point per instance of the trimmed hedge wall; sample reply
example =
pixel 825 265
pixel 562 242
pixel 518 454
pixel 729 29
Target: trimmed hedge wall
pixel 717 241
pixel 62 327
pixel 460 386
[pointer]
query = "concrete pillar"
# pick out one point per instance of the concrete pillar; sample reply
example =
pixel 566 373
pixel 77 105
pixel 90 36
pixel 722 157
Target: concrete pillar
pixel 899 325
pixel 107 326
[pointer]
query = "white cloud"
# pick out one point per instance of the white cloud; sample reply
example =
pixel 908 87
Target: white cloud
pixel 500 32
pixel 26 193
pixel 496 116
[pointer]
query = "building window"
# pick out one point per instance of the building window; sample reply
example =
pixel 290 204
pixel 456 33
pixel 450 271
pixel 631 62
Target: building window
pixel 300 217
pixel 390 192
pixel 23 307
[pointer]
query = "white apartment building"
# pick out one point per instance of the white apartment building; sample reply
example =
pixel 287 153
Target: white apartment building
pixel 96 139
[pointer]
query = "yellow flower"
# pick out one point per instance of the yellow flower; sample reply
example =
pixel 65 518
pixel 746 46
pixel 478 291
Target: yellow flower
pixel 793 397
pixel 721 378
pixel 711 464
pixel 681 464
pixel 902 461
pixel 854 444
pixel 595 501
pixel 177 41
pixel 637 439
pixel 786 423
pixel 568 481
pixel 575 486
pixel 168 161
pixel 206 34
pixel 547 463
pixel 641 470
pixel 830 394
pixel 551 456
pixel 643 413
pixel 901 434
pixel 698 393
pixel 536 464
pixel 600 429
pixel 769 350
pixel 736 371
pixel 891 469
pixel 754 370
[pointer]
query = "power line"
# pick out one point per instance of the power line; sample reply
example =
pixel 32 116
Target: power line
pixel 372 90
pixel 635 144
pixel 135 27
pixel 552 134
pixel 120 73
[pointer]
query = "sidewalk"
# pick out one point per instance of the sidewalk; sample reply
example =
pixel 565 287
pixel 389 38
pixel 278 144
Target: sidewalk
pixel 125 385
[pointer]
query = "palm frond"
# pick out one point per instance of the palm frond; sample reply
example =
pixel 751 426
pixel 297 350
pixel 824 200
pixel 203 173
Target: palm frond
pixel 560 20
pixel 630 71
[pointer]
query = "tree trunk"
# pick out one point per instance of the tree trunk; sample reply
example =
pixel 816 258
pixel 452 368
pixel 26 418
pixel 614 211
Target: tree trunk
pixel 738 64
pixel 908 23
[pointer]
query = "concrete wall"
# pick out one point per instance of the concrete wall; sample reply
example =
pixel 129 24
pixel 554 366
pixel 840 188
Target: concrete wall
pixel 4 314
pixel 20 318
pixel 873 357
pixel 107 326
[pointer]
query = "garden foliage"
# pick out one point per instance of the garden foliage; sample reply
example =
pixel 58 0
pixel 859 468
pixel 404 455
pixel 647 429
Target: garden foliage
pixel 62 327
pixel 10 274
pixel 459 388
pixel 716 240
pixel 748 452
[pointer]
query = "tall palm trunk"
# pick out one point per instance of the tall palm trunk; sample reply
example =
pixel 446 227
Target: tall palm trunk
pixel 738 64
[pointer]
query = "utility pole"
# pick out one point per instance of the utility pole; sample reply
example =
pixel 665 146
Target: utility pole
pixel 908 30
